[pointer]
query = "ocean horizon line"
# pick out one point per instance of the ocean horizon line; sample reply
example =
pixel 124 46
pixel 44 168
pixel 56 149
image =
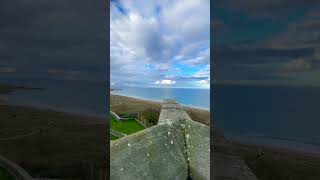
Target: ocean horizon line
pixel 160 87
pixel 160 101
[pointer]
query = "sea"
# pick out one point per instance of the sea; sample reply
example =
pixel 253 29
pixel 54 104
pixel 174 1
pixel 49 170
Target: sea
pixel 283 117
pixel 90 98
pixel 192 97
pixel 78 97
pixel 277 116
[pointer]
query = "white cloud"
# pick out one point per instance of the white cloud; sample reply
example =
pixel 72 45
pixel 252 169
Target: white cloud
pixel 149 39
pixel 163 66
pixel 204 72
pixel 201 58
pixel 165 82
pixel 206 81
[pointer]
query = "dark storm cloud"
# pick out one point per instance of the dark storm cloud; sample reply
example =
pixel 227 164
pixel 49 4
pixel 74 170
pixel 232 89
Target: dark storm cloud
pixel 267 8
pixel 300 34
pixel 36 36
pixel 283 45
pixel 261 62
pixel 258 55
pixel 217 25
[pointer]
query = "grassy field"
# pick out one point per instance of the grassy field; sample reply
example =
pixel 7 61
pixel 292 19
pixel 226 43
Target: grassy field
pixel 4 175
pixel 112 137
pixel 127 106
pixel 127 127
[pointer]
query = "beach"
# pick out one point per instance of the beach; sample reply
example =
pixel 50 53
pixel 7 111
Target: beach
pixel 52 143
pixel 266 162
pixel 277 123
pixel 43 140
pixel 127 105
pixel 49 143
pixel 279 164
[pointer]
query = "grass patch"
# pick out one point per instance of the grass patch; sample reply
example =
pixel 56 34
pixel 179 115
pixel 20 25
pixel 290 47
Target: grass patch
pixel 127 127
pixel 4 175
pixel 112 137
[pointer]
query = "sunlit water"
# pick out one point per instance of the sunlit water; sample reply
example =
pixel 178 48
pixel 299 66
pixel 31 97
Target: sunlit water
pixel 199 98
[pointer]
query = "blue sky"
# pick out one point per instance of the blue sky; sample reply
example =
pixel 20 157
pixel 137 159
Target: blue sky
pixel 160 43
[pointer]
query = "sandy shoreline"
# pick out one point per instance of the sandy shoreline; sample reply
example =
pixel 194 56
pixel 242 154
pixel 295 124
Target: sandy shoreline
pixel 280 164
pixel 129 105
pixel 35 137
pixel 269 163
pixel 46 139
pixel 7 89
pixel 157 101
pixel 49 142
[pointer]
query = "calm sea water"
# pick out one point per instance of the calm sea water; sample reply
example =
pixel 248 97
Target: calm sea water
pixel 88 98
pixel 69 96
pixel 199 98
pixel 287 117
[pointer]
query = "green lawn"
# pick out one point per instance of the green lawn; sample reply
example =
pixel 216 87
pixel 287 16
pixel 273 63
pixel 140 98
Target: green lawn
pixel 112 137
pixel 127 127
pixel 4 175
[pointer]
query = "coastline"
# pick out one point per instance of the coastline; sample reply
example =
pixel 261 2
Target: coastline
pixel 262 159
pixel 293 145
pixel 130 105
pixel 268 162
pixel 136 97
pixel 52 108
pixel 278 163
pixel 40 137
pixel 158 101
pixel 10 95
pixel 45 141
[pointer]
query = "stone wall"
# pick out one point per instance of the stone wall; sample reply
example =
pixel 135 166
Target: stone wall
pixel 176 148
pixel 18 172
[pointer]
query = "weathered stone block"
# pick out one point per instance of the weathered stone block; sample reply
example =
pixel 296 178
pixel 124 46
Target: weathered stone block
pixel 198 149
pixel 150 154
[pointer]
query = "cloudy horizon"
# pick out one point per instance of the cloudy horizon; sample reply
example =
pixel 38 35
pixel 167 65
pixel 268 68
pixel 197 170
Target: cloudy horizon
pixel 160 43
pixel 267 42
pixel 53 40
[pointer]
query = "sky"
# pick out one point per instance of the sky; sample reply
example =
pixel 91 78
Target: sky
pixel 53 40
pixel 160 43
pixel 266 42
